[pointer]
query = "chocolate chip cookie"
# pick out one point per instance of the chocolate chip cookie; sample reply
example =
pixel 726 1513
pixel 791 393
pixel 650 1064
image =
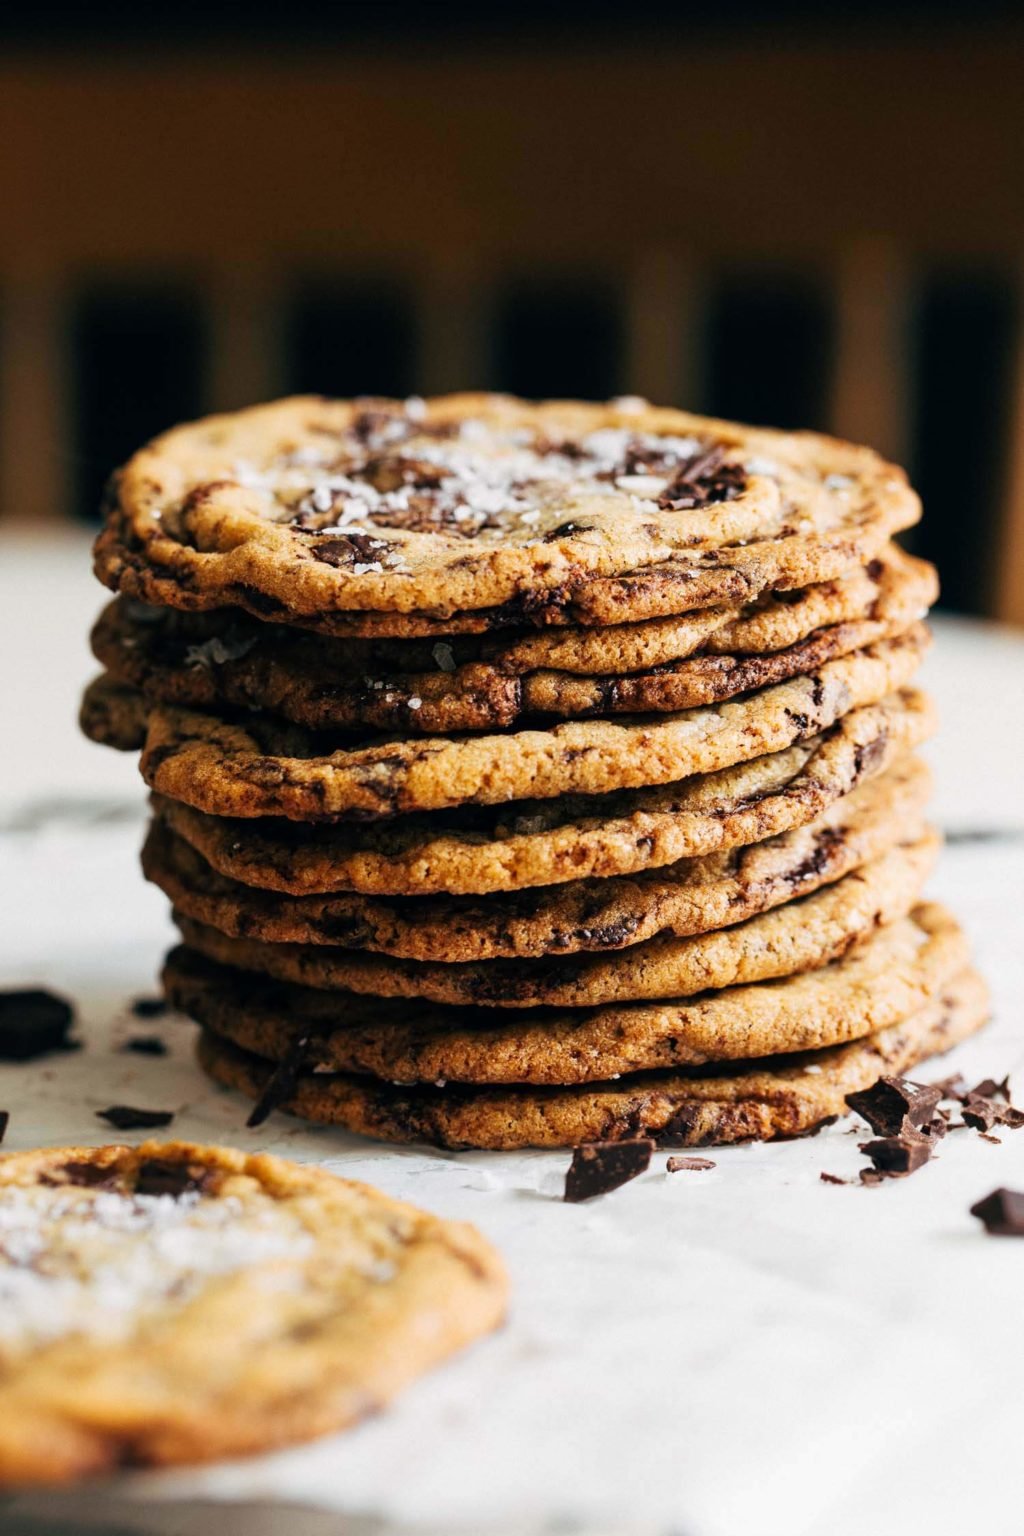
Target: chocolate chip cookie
pixel 177 1303
pixel 490 505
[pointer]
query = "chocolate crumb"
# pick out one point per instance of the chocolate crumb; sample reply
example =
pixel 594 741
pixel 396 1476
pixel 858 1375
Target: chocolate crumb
pixel 996 1141
pixel 33 1022
pixel 598 1167
pixel 5 1120
pixel 1002 1213
pixel 145 1045
pixel 895 1104
pixel 149 1007
pixel 833 1178
pixel 126 1118
pixel 980 1114
pixel 688 1164
pixel 897 1156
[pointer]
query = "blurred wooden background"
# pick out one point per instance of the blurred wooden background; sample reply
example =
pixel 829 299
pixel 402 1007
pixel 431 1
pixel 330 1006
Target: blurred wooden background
pixel 823 230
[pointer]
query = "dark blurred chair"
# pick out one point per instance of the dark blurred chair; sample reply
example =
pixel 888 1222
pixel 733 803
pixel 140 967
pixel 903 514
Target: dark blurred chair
pixel 816 232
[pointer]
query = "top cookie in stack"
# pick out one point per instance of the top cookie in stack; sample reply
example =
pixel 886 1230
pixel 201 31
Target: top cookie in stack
pixel 564 723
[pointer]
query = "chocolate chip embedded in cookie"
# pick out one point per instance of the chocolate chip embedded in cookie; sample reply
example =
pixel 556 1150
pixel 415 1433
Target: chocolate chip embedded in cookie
pixel 178 1303
pixel 758 1100
pixel 475 502
pixel 891 975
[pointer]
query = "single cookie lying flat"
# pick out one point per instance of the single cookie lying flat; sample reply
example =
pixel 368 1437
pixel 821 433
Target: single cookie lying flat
pixel 789 1096
pixel 312 507
pixel 480 849
pixel 891 975
pixel 691 896
pixel 194 661
pixel 258 767
pixel 178 1303
pixel 797 936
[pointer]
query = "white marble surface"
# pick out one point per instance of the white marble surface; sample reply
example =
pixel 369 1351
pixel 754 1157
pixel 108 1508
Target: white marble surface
pixel 695 1355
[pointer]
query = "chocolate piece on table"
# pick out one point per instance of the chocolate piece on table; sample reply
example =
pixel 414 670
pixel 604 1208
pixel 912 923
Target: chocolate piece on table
pixel 600 1166
pixel 32 1023
pixel 688 1164
pixel 1002 1213
pixel 145 1045
pixel 894 1104
pixel 896 1156
pixel 125 1117
pixel 281 1084
pixel 149 1007
pixel 5 1121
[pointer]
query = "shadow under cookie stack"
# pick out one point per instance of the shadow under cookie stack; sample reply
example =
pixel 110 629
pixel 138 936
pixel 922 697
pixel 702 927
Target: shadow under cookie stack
pixel 531 775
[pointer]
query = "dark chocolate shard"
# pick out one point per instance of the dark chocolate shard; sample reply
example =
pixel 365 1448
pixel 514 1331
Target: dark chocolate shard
pixel 688 1164
pixel 988 1104
pixel 149 1007
pixel 988 1088
pixel 33 1022
pixel 165 1176
pixel 1002 1213
pixel 125 1117
pixel 598 1167
pixel 281 1084
pixel 832 1178
pixel 980 1114
pixel 897 1156
pixel 895 1104
pixel 5 1120
pixel 145 1045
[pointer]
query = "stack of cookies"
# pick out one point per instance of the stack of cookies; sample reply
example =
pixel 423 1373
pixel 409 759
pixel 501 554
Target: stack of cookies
pixel 524 775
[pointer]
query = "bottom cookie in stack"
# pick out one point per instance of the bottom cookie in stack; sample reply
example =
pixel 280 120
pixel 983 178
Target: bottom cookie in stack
pixel 760 1060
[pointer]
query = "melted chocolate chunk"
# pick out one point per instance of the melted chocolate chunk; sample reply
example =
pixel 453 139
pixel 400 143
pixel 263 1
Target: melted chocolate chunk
pixel 87 1175
pixel 1002 1213
pixel 32 1023
pixel 894 1105
pixel 145 1045
pixel 149 1007
pixel 688 1164
pixel 392 474
pixel 896 1156
pixel 425 515
pixel 164 1176
pixel 701 479
pixel 565 531
pixel 598 1167
pixel 350 549
pixel 123 1117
